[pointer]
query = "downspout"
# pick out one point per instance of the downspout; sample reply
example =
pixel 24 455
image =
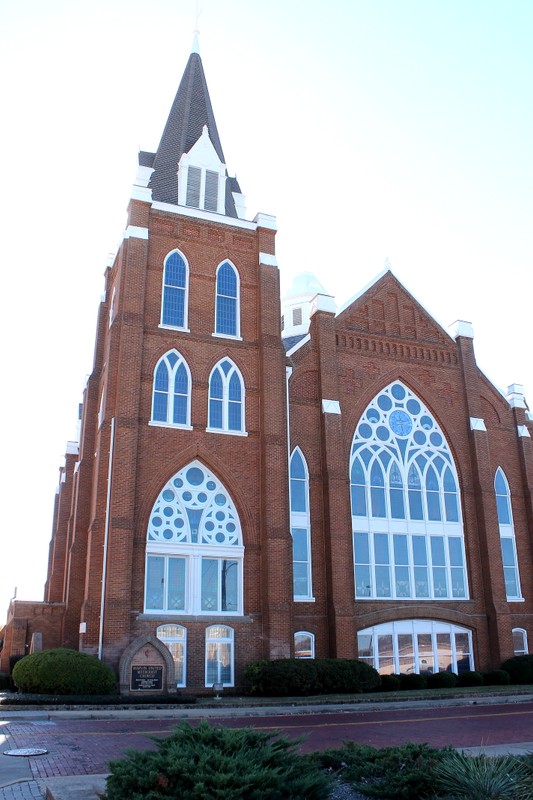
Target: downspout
pixel 106 539
pixel 288 373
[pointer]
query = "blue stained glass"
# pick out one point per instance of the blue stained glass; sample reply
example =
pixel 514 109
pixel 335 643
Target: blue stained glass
pixel 174 307
pixel 511 582
pixel 195 476
pixel 435 439
pixel 175 272
pixel 437 551
pixel 366 455
pixel 172 358
pixel 358 501
pixel 432 483
pixel 234 387
pixel 419 437
pixel 413 406
pixel 381 548
pixel 362 581
pixel 297 466
pixel 438 463
pixel 176 584
pixel 180 410
pixel 155 577
pixel 449 481
pixel 377 496
pixel 455 549
pixel 215 413
pixel 299 544
pixel 421 582
pixel 225 366
pixel 499 483
pixel 385 457
pixel 508 556
pixel 458 583
pixel 226 316
pixel 234 416
pixel 215 385
pixel 228 588
pixel 194 515
pixel 227 280
pixel 298 495
pixel 415 504
pixel 376 475
pixel 161 378
pixel 372 415
pixel 396 504
pixel 364 431
pixel 400 423
pixel 383 587
pixel 383 433
pixel 421 461
pixel 451 507
pixel 398 392
pixel 400 549
pixel 426 422
pixel 502 505
pixel 403 584
pixel 419 550
pixel 433 501
pixel 358 475
pixel 384 402
pixel 181 381
pixel 395 477
pixel 414 478
pixel 160 407
pixel 361 548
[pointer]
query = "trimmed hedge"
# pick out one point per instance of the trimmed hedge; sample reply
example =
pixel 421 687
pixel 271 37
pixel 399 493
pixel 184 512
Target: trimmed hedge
pixel 470 678
pixel 411 680
pixel 68 700
pixel 497 677
pixel 520 668
pixel 442 680
pixel 307 676
pixel 64 672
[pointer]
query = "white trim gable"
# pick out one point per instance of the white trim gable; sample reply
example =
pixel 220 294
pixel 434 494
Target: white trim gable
pixel 204 157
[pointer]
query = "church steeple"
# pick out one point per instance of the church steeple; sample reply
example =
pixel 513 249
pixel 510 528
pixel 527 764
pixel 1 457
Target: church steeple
pixel 191 122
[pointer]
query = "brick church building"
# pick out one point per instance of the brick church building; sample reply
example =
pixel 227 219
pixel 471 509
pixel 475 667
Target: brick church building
pixel 340 482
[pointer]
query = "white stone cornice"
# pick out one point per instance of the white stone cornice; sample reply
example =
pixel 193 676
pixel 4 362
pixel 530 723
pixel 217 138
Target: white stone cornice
pixel 477 424
pixel 209 216
pixel 142 193
pixel 523 430
pixel 515 396
pixel 135 232
pixel 268 260
pixel 323 302
pixel 461 328
pixel 331 407
pixel 266 221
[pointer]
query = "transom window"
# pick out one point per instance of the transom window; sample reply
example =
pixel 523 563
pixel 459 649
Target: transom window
pixel 507 536
pixel 406 513
pixel 194 552
pixel 227 301
pixel 226 398
pixel 420 645
pixel 175 638
pixel 219 655
pixel 300 527
pixel 175 291
pixel 171 398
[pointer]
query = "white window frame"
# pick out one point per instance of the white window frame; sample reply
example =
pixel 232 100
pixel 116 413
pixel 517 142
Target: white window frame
pixel 301 520
pixel 180 640
pixel 226 378
pixel 228 640
pixel 507 532
pixel 297 646
pixel 184 328
pixel 171 371
pixel 524 650
pixel 237 334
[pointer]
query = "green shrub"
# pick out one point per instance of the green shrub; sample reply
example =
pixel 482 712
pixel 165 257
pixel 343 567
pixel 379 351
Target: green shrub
pixel 63 671
pixel 219 763
pixel 520 668
pixel 389 683
pixel 410 680
pixel 442 680
pixel 497 677
pixel 470 678
pixel 305 676
pixel 394 773
pixel 482 777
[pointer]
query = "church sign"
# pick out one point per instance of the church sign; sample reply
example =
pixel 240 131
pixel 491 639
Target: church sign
pixel 146 678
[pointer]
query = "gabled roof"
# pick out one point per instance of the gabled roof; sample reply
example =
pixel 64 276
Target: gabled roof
pixel 190 111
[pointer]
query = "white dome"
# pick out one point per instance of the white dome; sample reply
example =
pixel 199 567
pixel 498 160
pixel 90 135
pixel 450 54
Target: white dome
pixel 305 284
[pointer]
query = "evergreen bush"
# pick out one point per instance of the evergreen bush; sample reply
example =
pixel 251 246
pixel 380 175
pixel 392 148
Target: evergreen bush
pixel 389 683
pixel 306 676
pixel 481 777
pixel 411 680
pixel 197 763
pixel 470 678
pixel 394 773
pixel 442 680
pixel 497 677
pixel 520 668
pixel 62 671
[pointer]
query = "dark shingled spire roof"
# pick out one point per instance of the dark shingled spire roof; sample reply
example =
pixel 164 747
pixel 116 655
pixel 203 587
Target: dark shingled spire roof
pixel 190 111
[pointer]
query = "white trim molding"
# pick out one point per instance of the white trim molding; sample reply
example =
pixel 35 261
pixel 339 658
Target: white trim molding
pixel 523 431
pixel 477 424
pixel 268 260
pixel 135 232
pixel 461 328
pixel 331 407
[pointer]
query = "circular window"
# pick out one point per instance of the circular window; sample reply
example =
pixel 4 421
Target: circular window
pixel 400 423
pixel 195 476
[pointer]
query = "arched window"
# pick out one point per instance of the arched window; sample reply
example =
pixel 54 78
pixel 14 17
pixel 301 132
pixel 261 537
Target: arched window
pixel 300 527
pixel 226 398
pixel 227 322
pixel 507 536
pixel 520 642
pixel 112 306
pixel 175 638
pixel 304 644
pixel 219 655
pixel 416 645
pixel 171 398
pixel 194 552
pixel 406 515
pixel 175 291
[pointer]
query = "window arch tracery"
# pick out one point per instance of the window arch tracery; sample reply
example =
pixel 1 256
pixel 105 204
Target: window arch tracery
pixel 171 395
pixel 406 513
pixel 226 398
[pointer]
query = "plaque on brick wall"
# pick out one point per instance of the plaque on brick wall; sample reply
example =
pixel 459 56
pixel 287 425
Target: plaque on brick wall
pixel 146 678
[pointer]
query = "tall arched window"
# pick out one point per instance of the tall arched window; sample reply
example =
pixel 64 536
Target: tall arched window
pixel 171 398
pixel 175 638
pixel 416 645
pixel 406 514
pixel 175 291
pixel 507 536
pixel 194 552
pixel 219 655
pixel 227 314
pixel 226 398
pixel 300 527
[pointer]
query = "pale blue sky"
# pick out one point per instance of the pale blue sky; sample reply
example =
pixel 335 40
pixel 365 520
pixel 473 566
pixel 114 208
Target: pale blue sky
pixel 370 128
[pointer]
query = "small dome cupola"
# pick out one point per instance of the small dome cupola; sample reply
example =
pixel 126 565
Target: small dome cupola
pixel 297 305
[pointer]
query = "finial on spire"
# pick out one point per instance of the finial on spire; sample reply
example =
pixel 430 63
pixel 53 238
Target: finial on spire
pixel 195 43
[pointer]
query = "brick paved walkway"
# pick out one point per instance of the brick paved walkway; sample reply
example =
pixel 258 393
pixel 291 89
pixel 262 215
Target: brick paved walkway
pixel 25 790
